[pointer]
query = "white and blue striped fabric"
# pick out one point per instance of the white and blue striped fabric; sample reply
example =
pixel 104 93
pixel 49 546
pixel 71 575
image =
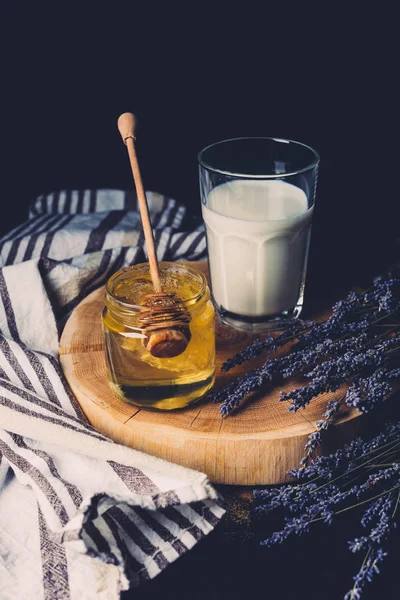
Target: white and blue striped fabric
pixel 80 516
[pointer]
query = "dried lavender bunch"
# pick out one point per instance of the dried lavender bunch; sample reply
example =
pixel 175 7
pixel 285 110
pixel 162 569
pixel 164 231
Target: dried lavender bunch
pixel 358 345
pixel 363 476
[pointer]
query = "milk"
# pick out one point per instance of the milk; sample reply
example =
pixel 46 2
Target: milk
pixel 258 235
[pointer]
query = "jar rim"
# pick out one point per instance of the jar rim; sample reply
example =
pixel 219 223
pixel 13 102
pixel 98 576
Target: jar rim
pixel 190 300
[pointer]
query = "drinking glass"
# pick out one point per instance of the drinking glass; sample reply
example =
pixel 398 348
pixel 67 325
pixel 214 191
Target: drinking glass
pixel 258 196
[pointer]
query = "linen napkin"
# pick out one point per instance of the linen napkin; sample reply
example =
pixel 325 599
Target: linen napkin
pixel 81 516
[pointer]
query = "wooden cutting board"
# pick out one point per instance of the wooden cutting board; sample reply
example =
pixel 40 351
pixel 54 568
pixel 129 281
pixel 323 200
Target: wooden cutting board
pixel 257 445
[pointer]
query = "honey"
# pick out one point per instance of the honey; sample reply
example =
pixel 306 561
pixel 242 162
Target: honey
pixel 134 374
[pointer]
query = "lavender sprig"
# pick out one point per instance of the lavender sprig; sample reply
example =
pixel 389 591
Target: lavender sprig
pixel 361 474
pixel 267 345
pixel 379 511
pixel 315 438
pixel 369 569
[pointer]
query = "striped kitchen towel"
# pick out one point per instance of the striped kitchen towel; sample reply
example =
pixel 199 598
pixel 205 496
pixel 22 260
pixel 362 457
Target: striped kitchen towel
pixel 81 516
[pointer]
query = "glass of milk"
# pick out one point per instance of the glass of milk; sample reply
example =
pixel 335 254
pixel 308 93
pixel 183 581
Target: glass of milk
pixel 258 198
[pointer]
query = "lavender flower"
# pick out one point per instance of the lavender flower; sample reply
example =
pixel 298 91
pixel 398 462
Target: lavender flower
pixel 366 392
pixel 374 509
pixel 372 543
pixel 368 570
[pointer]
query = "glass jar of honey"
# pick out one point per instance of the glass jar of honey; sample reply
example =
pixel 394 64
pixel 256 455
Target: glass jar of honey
pixel 137 376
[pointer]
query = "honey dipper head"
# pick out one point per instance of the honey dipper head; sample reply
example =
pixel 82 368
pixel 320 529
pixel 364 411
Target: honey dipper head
pixel 165 323
pixel 168 343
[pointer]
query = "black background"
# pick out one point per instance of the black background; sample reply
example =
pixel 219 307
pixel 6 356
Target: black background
pixel 195 74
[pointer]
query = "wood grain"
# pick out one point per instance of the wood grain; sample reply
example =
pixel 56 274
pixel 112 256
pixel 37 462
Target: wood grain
pixel 257 445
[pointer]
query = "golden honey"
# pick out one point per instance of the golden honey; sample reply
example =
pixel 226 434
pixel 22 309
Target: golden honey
pixel 134 374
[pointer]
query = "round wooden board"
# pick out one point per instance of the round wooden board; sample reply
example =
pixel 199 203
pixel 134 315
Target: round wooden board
pixel 257 445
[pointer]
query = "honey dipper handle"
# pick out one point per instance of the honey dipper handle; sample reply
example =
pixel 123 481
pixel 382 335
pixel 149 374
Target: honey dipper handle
pixel 127 129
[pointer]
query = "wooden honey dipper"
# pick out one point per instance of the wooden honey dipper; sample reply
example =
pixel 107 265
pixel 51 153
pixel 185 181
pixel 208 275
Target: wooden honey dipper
pixel 163 318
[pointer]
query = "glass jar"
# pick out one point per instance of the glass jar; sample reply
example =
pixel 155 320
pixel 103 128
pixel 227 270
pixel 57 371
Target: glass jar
pixel 137 376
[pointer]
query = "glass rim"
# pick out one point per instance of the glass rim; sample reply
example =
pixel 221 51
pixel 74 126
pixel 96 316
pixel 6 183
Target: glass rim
pixel 189 301
pixel 208 167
